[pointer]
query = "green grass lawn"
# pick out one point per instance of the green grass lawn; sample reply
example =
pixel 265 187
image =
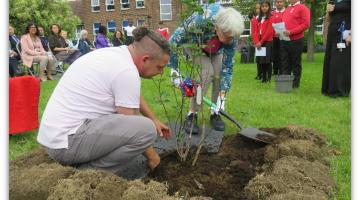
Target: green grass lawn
pixel 259 105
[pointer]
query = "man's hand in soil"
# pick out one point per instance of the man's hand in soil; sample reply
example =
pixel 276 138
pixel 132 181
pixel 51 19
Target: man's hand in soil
pixel 153 159
pixel 162 129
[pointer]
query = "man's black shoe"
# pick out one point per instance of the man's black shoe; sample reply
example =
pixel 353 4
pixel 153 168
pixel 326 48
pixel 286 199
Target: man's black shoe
pixel 189 120
pixel 217 123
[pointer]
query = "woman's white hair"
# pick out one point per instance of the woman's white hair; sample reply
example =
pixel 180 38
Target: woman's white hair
pixel 229 20
pixel 82 33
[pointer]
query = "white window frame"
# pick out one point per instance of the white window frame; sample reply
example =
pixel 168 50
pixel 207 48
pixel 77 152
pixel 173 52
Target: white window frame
pixel 121 3
pixel 225 1
pixel 162 19
pixel 137 22
pixel 95 5
pixel 136 3
pixel 94 31
pixel 108 29
pixel 122 23
pixel 79 28
pixel 107 4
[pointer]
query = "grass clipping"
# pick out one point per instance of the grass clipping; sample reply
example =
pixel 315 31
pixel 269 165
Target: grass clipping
pixel 35 177
pixel 295 168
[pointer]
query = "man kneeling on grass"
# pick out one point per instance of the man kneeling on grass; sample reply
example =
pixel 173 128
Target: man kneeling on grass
pixel 92 118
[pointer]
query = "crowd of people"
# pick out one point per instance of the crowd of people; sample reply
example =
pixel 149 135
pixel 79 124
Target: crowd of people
pixel 284 47
pixel 57 47
pixel 281 33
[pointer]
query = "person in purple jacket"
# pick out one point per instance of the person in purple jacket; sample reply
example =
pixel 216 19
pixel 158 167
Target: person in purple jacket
pixel 101 40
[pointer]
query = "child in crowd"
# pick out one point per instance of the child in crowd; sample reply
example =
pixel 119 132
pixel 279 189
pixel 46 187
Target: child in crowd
pixel 254 23
pixel 262 38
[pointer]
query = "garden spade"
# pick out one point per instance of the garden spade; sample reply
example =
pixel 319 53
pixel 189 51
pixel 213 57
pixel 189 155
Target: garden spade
pixel 252 133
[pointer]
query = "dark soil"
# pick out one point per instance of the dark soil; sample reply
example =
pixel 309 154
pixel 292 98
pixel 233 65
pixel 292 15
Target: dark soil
pixel 220 176
pixel 294 166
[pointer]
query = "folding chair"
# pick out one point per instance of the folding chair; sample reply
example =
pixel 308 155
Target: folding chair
pixel 59 64
pixel 34 69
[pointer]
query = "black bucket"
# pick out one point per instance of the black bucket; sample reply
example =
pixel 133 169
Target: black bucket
pixel 283 83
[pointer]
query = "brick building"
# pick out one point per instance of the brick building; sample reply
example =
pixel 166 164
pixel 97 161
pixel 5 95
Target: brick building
pixel 115 14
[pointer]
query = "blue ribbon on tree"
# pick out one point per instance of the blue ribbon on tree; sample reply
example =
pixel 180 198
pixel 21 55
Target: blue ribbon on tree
pixel 341 30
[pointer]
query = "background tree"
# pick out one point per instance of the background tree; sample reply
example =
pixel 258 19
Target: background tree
pixel 43 13
pixel 317 9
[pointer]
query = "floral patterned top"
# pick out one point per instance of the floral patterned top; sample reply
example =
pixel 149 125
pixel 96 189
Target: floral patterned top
pixel 204 24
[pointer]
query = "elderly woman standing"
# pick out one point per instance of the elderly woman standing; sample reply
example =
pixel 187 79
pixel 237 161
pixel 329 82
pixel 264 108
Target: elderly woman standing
pixel 33 51
pixel 220 28
pixel 84 44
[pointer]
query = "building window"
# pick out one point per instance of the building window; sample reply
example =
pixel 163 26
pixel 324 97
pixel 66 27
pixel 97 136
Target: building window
pixel 202 2
pixel 95 5
pixel 165 10
pixel 111 26
pixel 140 22
pixel 78 30
pixel 125 23
pixel 224 1
pixel 96 27
pixel 125 4
pixel 140 4
pixel 109 5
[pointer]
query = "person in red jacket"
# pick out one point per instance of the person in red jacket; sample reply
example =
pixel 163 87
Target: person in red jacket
pixel 254 23
pixel 297 19
pixel 163 31
pixel 276 17
pixel 263 38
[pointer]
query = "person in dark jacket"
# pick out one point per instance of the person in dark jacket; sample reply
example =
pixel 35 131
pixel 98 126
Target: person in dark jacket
pixel 336 80
pixel 43 38
pixel 59 47
pixel 117 39
pixel 14 40
pixel 84 45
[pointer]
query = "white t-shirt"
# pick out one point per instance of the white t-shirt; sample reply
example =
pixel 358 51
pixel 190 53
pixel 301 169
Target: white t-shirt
pixel 129 30
pixel 92 87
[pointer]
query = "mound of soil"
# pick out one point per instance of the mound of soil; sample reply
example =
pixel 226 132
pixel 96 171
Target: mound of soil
pixel 292 167
pixel 220 176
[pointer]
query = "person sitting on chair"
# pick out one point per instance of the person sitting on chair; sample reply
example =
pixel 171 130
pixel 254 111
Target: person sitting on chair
pixel 59 47
pixel 84 44
pixel 101 39
pixel 68 42
pixel 33 51
pixel 14 40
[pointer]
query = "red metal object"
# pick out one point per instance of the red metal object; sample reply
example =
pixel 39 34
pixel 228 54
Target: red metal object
pixel 24 92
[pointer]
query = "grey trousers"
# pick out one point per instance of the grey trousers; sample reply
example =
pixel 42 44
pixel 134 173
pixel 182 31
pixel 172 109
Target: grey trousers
pixel 45 62
pixel 107 143
pixel 210 73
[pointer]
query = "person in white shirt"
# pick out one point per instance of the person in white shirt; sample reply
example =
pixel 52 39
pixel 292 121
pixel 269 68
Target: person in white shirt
pixel 93 120
pixel 129 33
pixel 69 43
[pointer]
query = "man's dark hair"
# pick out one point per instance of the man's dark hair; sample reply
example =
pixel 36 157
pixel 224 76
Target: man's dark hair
pixel 140 32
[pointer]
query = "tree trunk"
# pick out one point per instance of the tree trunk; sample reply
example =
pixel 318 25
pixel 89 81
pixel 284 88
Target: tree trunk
pixel 326 27
pixel 311 33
